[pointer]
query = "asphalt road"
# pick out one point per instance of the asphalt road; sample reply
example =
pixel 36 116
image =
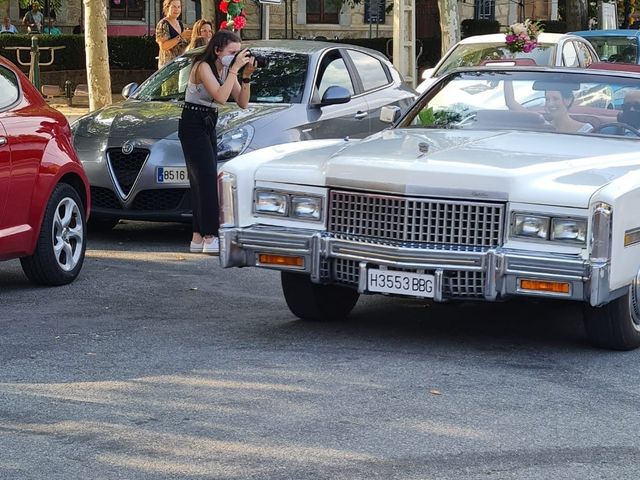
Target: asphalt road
pixel 158 364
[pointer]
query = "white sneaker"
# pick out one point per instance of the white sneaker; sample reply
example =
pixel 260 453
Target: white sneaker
pixel 212 247
pixel 196 247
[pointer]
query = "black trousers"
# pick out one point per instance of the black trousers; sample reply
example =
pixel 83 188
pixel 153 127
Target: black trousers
pixel 197 133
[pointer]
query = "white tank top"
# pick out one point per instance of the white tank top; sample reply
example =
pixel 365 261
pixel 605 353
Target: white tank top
pixel 197 94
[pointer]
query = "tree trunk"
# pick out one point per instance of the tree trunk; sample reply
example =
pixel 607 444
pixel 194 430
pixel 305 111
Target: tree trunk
pixel 578 19
pixel 95 42
pixel 449 26
pixel 209 12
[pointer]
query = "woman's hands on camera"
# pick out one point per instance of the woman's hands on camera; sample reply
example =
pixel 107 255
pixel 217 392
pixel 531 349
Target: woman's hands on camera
pixel 186 33
pixel 242 58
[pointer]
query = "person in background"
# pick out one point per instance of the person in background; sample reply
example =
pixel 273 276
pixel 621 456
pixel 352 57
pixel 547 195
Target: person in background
pixel 49 28
pixel 213 79
pixel 7 27
pixel 202 29
pixel 79 28
pixel 171 36
pixel 630 113
pixel 33 19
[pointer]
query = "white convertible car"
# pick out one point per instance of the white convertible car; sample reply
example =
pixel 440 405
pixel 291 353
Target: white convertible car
pixel 497 183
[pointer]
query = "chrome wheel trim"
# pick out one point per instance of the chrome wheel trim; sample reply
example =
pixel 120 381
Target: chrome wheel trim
pixel 68 234
pixel 634 302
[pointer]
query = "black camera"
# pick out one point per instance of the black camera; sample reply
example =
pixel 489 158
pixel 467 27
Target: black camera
pixel 260 61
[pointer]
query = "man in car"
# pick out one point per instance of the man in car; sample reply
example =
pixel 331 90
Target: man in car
pixel 630 113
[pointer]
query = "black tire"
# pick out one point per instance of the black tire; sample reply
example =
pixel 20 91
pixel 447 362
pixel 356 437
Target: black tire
pixel 312 301
pixel 59 253
pixel 101 224
pixel 616 325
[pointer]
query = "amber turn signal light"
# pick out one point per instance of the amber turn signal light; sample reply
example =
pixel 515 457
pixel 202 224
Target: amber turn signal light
pixel 544 286
pixel 280 260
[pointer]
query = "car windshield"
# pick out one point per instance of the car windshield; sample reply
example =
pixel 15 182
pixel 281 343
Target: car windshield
pixel 473 54
pixel 615 49
pixel 544 101
pixel 281 81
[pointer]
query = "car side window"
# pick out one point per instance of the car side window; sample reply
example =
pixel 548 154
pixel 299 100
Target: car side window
pixel 333 71
pixel 371 70
pixel 584 54
pixel 569 55
pixel 9 90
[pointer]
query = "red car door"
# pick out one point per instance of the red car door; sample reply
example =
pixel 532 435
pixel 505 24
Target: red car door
pixel 5 172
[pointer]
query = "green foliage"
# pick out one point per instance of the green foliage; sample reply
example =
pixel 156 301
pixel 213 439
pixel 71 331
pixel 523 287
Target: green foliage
pixel 470 27
pixel 124 52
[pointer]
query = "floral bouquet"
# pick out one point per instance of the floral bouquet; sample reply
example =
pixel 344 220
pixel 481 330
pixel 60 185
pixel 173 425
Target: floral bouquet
pixel 235 14
pixel 522 37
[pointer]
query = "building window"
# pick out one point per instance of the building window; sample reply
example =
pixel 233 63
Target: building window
pixel 322 11
pixel 126 9
pixel 484 10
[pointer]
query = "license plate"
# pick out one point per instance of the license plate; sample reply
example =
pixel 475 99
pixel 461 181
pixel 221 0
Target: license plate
pixel 172 175
pixel 400 283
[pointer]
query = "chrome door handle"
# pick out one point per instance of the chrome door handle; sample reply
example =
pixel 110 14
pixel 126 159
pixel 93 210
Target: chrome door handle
pixel 3 141
pixel 360 115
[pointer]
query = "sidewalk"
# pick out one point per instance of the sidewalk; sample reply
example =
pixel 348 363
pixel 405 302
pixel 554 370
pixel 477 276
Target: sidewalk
pixel 79 107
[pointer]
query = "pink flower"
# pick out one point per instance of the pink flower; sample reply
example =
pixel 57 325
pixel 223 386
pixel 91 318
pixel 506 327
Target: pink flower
pixel 223 25
pixel 511 38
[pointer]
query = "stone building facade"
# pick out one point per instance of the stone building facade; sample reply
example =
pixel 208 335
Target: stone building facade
pixel 301 18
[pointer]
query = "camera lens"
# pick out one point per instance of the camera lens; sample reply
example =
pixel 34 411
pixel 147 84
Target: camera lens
pixel 261 62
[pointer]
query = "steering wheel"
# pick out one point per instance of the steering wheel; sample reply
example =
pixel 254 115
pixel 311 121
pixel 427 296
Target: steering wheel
pixel 622 127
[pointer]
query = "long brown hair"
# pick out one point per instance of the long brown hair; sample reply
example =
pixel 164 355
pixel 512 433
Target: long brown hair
pixel 196 34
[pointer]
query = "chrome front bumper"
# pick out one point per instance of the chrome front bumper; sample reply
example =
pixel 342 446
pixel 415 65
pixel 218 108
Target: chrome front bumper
pixel 500 268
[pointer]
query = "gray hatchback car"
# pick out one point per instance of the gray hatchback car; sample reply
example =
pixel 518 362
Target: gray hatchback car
pixel 308 90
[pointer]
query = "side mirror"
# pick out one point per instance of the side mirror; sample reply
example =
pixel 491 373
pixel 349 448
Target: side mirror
pixel 335 95
pixel 428 73
pixel 390 114
pixel 129 89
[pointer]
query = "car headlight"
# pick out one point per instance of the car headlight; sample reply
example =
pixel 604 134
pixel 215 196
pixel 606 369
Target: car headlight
pixel 271 203
pixel 569 229
pixel 308 208
pixel 531 226
pixel 233 142
pixel 288 204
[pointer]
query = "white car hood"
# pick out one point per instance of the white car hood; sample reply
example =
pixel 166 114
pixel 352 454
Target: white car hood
pixel 528 167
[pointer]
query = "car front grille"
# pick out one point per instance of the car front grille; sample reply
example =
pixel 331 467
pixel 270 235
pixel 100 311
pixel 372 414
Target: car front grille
pixel 397 219
pixel 126 168
pixel 104 198
pixel 162 199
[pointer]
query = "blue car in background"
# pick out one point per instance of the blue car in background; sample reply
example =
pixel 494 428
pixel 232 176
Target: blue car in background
pixel 616 46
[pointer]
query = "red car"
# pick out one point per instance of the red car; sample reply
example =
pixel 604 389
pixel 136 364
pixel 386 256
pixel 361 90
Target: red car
pixel 44 193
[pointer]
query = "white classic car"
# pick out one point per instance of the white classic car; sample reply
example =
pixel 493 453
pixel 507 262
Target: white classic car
pixel 499 182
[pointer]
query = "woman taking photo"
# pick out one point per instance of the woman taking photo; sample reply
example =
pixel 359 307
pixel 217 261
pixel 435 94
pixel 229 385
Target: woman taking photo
pixel 171 36
pixel 221 71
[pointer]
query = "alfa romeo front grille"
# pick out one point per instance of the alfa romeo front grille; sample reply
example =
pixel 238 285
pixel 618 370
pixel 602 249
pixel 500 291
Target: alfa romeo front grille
pixel 126 168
